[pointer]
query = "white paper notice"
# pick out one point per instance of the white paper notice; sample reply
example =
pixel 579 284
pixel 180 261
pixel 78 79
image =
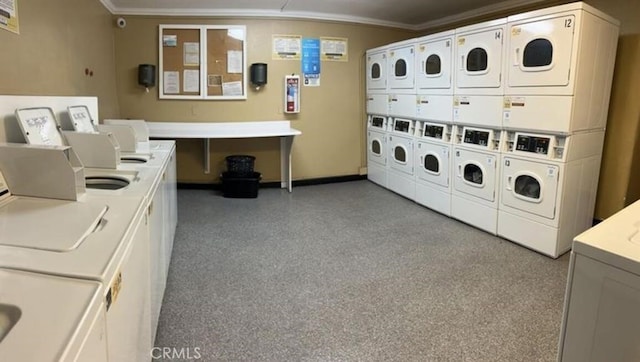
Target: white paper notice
pixel 234 61
pixel 171 82
pixel 191 81
pixel 232 88
pixel 191 53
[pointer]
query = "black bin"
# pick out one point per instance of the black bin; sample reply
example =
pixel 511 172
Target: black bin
pixel 241 164
pixel 240 184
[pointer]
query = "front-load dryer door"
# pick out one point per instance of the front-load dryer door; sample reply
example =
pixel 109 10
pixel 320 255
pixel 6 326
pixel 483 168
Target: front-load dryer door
pixel 401 152
pixel 475 173
pixel 402 68
pixel 479 59
pixel 433 163
pixel 434 60
pixel 540 52
pixel 377 71
pixel 377 144
pixel 530 186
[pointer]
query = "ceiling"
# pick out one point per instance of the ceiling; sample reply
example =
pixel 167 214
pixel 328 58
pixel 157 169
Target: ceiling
pixel 407 14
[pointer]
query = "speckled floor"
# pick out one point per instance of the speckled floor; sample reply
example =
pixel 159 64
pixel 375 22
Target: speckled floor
pixel 352 272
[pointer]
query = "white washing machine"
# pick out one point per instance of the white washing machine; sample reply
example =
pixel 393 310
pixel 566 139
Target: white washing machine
pixel 479 58
pixel 560 68
pixel 377 70
pixel 49 318
pixel 98 238
pixel 433 166
pixel 400 177
pixel 601 320
pixel 548 188
pixel 479 65
pixel 401 76
pixel 434 53
pixel 434 77
pixel 377 150
pixel 476 170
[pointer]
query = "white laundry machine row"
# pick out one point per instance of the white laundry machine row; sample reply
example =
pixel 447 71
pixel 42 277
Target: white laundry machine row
pixel 432 150
pixel 548 188
pixel 377 153
pixel 400 164
pixel 476 176
pixel 101 239
pixel 559 68
pixel 601 320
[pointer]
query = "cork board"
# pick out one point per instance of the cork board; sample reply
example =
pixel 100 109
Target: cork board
pixel 202 62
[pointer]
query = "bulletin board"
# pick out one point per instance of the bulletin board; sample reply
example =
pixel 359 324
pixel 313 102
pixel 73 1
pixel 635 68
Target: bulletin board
pixel 202 62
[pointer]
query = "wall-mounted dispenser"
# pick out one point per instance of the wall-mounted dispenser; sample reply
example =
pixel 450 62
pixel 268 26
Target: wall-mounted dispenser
pixel 258 73
pixel 292 94
pixel 147 75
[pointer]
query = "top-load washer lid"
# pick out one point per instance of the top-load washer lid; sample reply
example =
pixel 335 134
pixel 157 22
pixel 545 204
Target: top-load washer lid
pixel 51 312
pixel 47 224
pixel 39 126
pixel 615 241
pixel 81 119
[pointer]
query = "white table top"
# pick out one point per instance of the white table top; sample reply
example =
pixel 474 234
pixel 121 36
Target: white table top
pixel 221 129
pixel 615 241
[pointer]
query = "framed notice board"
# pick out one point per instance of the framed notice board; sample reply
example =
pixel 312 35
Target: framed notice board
pixel 202 62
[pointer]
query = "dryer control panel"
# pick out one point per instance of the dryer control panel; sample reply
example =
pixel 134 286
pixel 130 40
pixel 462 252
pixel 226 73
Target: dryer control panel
pixel 402 125
pixel 534 144
pixel 549 147
pixel 377 122
pixel 433 131
pixel 483 138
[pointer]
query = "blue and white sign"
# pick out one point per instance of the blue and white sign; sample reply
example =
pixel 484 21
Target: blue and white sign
pixel 311 61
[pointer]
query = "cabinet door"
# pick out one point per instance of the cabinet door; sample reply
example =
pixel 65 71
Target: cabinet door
pixel 601 318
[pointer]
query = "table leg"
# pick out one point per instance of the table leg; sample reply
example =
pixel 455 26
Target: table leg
pixel 207 166
pixel 285 162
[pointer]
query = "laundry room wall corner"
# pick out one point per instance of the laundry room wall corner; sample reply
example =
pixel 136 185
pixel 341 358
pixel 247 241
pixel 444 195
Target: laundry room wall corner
pixel 620 170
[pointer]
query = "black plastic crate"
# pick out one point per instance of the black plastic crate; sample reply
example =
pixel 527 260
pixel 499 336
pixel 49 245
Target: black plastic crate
pixel 240 184
pixel 240 163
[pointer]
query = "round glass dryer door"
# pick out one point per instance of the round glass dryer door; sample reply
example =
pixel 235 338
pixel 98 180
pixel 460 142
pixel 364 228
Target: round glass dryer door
pixel 475 173
pixel 433 164
pixel 530 186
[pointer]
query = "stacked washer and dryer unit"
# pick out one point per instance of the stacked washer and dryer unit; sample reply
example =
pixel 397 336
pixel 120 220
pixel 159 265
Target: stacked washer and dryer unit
pixel 509 122
pixel 559 71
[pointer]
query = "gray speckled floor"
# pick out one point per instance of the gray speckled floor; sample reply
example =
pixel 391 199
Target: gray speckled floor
pixel 352 272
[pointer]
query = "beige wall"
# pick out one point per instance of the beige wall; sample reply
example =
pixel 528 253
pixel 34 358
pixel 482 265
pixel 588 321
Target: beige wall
pixel 620 172
pixel 57 41
pixel 332 116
